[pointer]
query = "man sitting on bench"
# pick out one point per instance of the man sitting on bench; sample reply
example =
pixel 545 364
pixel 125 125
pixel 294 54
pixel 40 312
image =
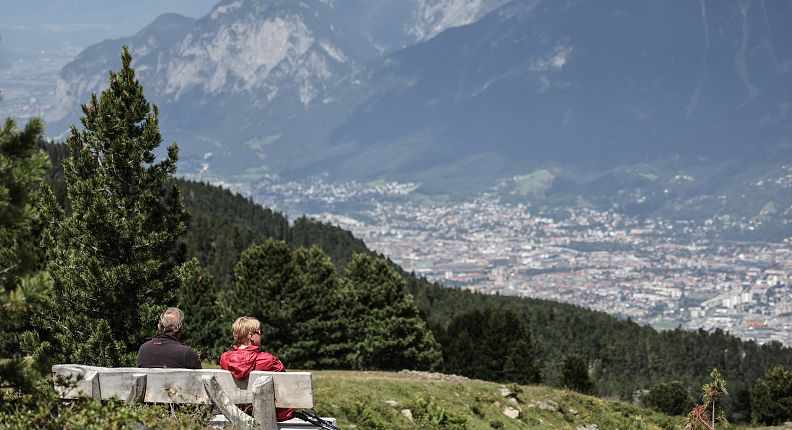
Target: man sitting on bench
pixel 165 350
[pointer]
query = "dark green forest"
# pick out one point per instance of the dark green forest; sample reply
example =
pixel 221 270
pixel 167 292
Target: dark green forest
pixel 122 237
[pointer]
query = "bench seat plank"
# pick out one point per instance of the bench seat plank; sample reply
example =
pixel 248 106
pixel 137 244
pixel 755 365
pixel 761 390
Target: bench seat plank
pixel 292 389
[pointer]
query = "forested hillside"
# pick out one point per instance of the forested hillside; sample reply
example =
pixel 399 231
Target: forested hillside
pixel 622 356
pixel 477 332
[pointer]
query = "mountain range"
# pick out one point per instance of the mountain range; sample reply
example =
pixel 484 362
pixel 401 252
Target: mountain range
pixel 271 60
pixel 457 95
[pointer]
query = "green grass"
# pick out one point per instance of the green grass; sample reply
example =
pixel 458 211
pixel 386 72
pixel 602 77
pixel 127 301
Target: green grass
pixel 365 400
pixel 766 213
pixel 428 199
pixel 535 183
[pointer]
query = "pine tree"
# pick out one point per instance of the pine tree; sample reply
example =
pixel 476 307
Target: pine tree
pixel 114 259
pixel 771 397
pixel 319 336
pixel 22 168
pixel 522 364
pixel 296 296
pixel 575 374
pixel 23 289
pixel 263 289
pixel 385 324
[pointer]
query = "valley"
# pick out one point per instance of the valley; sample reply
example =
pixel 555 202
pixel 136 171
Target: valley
pixel 655 270
pixel 649 202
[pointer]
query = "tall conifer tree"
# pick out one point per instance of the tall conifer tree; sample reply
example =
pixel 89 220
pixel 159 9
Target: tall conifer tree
pixel 197 299
pixel 320 328
pixel 22 287
pixel 114 259
pixel 293 292
pixel 385 325
pixel 263 289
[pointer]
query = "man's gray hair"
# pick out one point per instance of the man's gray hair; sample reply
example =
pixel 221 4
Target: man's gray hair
pixel 171 321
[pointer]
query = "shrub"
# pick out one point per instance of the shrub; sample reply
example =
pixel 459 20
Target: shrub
pixel 429 415
pixel 670 398
pixel 43 410
pixel 575 375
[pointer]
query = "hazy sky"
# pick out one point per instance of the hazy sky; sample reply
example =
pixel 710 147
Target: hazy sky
pixel 32 26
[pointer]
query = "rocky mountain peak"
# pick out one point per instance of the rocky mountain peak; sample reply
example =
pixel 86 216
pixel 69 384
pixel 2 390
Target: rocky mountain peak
pixel 432 17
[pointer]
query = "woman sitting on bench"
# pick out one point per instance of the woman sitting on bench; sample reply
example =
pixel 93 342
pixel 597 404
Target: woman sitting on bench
pixel 246 357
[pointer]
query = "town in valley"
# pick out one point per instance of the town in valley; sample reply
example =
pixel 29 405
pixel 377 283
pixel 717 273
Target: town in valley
pixel 664 273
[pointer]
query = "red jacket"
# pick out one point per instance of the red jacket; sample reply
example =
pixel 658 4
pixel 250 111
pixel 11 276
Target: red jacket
pixel 240 362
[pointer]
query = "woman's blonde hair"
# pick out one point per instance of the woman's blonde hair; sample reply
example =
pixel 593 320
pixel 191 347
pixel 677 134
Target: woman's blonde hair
pixel 244 326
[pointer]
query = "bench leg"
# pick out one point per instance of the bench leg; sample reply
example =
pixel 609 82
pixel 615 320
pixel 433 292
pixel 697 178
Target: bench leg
pixel 92 385
pixel 264 403
pixel 238 418
pixel 138 391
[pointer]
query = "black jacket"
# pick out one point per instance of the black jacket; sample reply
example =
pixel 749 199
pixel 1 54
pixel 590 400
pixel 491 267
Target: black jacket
pixel 167 351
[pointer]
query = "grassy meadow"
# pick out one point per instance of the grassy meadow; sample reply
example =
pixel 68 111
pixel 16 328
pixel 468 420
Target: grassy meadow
pixel 380 400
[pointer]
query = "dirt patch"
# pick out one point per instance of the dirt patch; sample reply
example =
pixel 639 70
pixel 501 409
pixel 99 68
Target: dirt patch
pixel 432 376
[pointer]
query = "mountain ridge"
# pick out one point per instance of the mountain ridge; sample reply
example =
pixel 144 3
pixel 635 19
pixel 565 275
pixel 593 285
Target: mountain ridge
pixel 515 87
pixel 567 112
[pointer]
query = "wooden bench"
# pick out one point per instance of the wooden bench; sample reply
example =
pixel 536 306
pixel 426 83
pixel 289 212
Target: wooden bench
pixel 265 390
